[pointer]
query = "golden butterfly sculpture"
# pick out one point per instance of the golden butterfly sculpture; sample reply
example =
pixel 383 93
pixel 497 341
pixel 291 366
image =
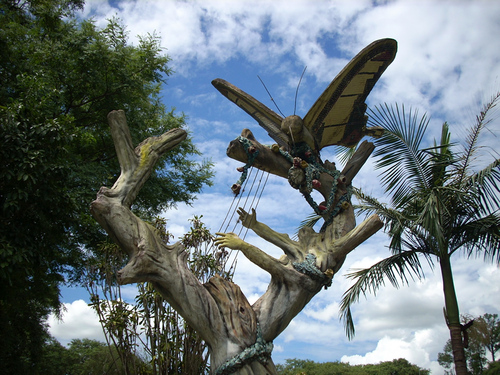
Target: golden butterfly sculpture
pixel 338 116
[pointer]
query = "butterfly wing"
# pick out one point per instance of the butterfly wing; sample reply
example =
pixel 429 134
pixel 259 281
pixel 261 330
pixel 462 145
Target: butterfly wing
pixel 266 118
pixel 338 116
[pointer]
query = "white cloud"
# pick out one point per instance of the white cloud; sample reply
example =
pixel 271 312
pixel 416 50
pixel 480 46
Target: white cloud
pixel 278 349
pixel 322 312
pixel 389 348
pixel 440 57
pixel 79 321
pixel 442 62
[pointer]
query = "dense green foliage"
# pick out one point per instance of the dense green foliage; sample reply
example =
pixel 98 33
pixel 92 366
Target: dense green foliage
pixel 306 367
pixel 489 333
pixel 493 369
pixel 83 357
pixel 59 78
pixel 442 203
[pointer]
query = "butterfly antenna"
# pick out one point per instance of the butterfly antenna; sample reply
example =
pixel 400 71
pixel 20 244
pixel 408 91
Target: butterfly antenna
pixel 291 135
pixel 263 84
pixel 297 91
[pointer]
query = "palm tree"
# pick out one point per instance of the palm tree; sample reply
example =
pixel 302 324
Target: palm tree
pixel 439 205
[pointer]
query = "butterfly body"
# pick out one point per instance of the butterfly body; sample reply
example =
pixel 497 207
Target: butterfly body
pixel 293 127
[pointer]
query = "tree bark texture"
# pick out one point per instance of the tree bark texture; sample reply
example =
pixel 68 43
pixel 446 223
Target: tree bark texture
pixel 452 316
pixel 218 310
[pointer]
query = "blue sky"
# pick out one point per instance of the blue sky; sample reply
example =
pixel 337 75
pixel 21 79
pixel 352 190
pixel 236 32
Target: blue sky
pixel 448 61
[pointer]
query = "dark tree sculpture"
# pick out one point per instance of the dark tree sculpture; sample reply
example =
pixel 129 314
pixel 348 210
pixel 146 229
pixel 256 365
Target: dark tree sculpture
pixel 240 335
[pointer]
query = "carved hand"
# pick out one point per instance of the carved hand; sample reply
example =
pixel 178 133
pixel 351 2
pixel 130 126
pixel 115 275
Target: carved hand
pixel 247 220
pixel 229 240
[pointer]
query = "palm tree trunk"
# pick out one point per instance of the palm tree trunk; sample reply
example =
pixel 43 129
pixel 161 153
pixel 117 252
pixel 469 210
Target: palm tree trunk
pixel 452 315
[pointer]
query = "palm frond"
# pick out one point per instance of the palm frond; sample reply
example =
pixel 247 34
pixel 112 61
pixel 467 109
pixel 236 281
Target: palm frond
pixel 431 217
pixel 404 166
pixel 395 221
pixel 371 205
pixel 344 154
pixel 398 269
pixel 441 158
pixel 479 236
pixel 487 184
pixel 417 241
pixel 310 221
pixel 471 143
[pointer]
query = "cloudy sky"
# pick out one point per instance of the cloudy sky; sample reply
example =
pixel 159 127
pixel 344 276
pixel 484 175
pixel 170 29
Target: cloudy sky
pixel 448 61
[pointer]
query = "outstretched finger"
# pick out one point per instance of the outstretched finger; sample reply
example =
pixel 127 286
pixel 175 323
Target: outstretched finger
pixel 219 243
pixel 218 240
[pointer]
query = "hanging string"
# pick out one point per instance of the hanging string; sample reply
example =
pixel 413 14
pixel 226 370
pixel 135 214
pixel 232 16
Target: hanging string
pixel 254 204
pixel 227 213
pixel 247 198
pixel 232 210
pixel 244 202
pixel 257 196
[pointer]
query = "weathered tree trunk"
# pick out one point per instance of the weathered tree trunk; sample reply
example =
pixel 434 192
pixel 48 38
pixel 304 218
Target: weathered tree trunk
pixel 218 310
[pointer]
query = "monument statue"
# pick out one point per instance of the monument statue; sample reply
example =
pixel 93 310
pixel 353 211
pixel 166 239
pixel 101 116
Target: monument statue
pixel 240 335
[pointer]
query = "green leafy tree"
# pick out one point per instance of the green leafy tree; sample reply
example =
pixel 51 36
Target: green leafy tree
pixel 95 357
pixel 59 78
pixel 475 350
pixel 83 357
pixel 482 336
pixel 441 204
pixel 55 358
pixel 395 367
pixel 489 332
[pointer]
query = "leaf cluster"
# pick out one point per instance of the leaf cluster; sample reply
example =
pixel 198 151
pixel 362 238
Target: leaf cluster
pixel 83 356
pixel 59 78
